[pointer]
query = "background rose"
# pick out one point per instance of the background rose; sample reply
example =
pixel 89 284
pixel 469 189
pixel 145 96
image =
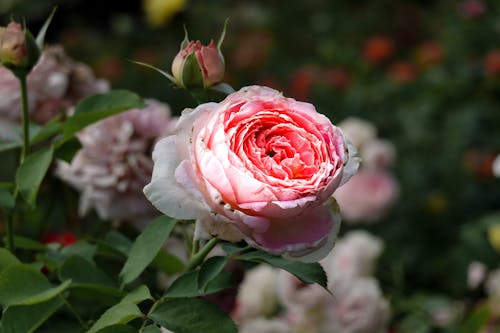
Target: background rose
pixel 114 163
pixel 257 165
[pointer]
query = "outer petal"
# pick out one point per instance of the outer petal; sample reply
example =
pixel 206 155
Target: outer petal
pixel 352 165
pixel 308 237
pixel 164 192
pixel 322 249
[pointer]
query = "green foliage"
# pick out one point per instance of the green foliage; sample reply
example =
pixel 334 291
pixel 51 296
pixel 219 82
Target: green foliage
pixel 187 285
pixel 146 247
pixel 27 318
pixel 306 272
pixel 21 284
pixel 120 313
pixel 192 315
pixel 97 107
pixel 30 174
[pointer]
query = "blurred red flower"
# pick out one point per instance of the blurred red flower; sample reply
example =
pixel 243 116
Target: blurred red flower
pixel 492 63
pixel 429 53
pixel 64 238
pixel 378 49
pixel 472 8
pixel 338 78
pixel 402 72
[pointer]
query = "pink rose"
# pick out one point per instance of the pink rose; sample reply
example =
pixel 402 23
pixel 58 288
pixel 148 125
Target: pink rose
pixel 257 165
pixel 367 196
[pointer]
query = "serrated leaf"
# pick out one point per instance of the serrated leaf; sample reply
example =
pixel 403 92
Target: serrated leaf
pixel 210 270
pixel 306 272
pixel 30 174
pixel 7 259
pixel 187 285
pixel 6 199
pixel 97 107
pixel 120 313
pixel 192 315
pixel 27 318
pixel 81 271
pixel 137 295
pixel 146 247
pixel 21 284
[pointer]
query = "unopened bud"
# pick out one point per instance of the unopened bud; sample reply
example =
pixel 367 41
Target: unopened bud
pixel 197 66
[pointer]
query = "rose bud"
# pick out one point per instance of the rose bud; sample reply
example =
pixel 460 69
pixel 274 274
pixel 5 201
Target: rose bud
pixel 18 49
pixel 198 66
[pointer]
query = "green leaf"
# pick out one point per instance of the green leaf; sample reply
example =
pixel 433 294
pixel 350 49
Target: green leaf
pixel 68 150
pixel 40 133
pixel 187 285
pixel 168 263
pixel 81 271
pixel 8 145
pixel 192 315
pixel 151 329
pixel 146 247
pixel 306 272
pixel 118 242
pixel 210 270
pixel 27 243
pixel 6 199
pixel 81 248
pixel 118 328
pixel 7 259
pixel 120 313
pixel 30 174
pixel 40 38
pixel 97 107
pixel 231 248
pixel 137 295
pixel 22 285
pixel 27 318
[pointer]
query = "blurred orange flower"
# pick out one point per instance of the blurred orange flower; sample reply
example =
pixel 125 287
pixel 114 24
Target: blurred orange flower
pixel 378 49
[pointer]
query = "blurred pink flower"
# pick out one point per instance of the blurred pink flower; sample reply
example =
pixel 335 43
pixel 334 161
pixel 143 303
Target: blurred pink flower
pixel 358 131
pixel 353 256
pixel 476 274
pixel 377 154
pixel 358 306
pixel 115 162
pixel 367 196
pixel 257 294
pixel 55 84
pixel 298 296
pixel 472 8
pixel 262 325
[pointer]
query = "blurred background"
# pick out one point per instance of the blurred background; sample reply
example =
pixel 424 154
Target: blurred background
pixel 421 76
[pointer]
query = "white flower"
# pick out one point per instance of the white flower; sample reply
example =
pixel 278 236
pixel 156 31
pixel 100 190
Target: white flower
pixel 476 274
pixel 358 131
pixel 496 166
pixel 261 325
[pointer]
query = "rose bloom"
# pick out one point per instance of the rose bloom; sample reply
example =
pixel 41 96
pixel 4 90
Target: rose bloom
pixel 257 166
pixel 262 325
pixel 257 294
pixel 354 256
pixel 367 196
pixel 430 53
pixel 358 306
pixel 298 296
pixel 114 163
pixel 55 84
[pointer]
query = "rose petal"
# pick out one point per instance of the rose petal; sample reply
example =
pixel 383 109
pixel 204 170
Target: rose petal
pixel 164 192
